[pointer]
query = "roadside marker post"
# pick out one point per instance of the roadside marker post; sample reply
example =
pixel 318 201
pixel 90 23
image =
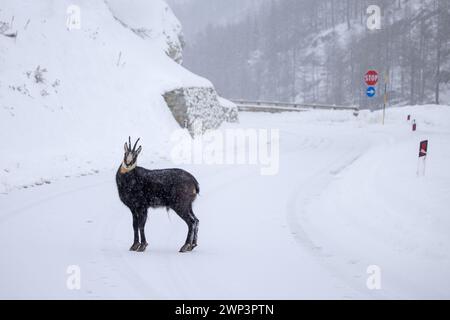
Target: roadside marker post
pixel 423 152
pixel 414 125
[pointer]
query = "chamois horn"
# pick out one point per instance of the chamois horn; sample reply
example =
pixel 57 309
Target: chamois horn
pixel 134 148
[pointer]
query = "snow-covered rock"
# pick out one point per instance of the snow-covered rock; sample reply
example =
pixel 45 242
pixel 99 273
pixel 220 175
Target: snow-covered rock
pixel 199 108
pixel 230 109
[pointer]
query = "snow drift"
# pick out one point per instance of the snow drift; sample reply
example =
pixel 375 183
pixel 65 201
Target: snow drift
pixel 70 96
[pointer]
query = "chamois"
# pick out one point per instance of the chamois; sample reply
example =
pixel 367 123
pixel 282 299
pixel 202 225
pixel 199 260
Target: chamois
pixel 141 189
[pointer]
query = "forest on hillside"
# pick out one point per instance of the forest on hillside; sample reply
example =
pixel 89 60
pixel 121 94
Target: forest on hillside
pixel 318 52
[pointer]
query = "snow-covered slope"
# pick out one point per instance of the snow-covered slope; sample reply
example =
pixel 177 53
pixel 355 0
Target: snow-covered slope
pixel 69 97
pixel 153 20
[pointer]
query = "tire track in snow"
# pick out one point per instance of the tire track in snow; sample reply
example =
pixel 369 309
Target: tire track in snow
pixel 325 176
pixel 21 210
pixel 322 178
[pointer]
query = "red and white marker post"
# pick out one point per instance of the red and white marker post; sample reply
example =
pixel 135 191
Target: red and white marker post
pixel 423 152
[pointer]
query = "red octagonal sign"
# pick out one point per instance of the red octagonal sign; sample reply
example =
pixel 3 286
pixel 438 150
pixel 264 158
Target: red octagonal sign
pixel 371 78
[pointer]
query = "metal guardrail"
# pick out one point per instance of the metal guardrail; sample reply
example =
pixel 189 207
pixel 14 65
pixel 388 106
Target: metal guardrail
pixel 275 106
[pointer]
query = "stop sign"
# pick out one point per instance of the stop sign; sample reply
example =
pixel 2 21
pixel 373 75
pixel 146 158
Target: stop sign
pixel 371 78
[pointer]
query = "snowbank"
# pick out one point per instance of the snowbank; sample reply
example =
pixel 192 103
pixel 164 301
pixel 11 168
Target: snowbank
pixel 398 220
pixel 70 97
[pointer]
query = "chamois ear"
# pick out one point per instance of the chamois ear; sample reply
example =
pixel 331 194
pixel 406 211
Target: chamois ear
pixel 125 147
pixel 138 150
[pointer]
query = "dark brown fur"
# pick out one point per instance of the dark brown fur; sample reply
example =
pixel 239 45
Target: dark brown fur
pixel 141 189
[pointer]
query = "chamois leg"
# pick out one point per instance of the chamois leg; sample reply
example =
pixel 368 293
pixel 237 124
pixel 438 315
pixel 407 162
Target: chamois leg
pixel 190 221
pixel 141 225
pixel 196 222
pixel 136 243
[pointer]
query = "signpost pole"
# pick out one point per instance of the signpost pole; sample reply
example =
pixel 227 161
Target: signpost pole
pixel 386 79
pixel 424 165
pixel 422 160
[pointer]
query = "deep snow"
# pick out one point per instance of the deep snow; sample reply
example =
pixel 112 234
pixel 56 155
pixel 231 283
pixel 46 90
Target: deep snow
pixel 346 197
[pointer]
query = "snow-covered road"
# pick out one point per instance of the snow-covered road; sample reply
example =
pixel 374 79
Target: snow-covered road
pixel 346 197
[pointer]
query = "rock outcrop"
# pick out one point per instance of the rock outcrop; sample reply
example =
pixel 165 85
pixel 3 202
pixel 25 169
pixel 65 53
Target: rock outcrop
pixel 200 109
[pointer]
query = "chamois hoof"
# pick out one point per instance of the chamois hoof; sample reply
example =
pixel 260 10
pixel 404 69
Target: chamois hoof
pixel 135 246
pixel 186 248
pixel 142 247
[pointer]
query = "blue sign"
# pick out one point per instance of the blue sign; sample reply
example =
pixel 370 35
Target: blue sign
pixel 371 91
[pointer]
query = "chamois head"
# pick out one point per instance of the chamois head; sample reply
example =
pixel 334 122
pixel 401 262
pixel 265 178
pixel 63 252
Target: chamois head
pixel 130 156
